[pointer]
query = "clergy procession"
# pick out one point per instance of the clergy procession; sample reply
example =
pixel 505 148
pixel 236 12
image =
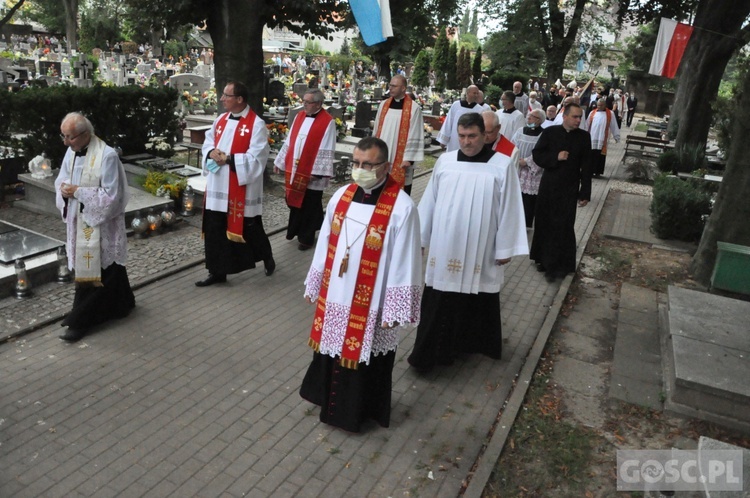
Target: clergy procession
pixel 419 229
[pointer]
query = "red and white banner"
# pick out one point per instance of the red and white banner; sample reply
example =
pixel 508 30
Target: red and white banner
pixel 670 45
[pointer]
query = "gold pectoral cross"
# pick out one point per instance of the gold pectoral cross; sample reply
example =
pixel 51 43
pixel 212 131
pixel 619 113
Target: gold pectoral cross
pixel 88 257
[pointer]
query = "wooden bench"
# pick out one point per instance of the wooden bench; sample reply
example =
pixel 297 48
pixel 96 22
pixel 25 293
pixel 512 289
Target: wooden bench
pixel 193 147
pixel 638 146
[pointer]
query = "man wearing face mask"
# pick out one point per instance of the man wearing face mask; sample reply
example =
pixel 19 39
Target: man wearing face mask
pixel 366 280
pixel 472 222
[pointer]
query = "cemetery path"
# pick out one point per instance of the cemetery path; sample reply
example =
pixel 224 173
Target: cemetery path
pixel 195 393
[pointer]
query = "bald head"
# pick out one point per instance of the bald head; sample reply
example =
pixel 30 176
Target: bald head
pixel 491 127
pixel 472 94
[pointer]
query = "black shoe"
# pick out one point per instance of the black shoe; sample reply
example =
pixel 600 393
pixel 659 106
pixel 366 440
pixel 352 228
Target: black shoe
pixel 72 335
pixel 549 277
pixel 211 279
pixel 304 247
pixel 270 265
pixel 540 268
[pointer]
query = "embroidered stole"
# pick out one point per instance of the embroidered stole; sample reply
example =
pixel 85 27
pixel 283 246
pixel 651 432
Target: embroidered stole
pixel 243 133
pixel 295 188
pixel 504 146
pixel 88 265
pixel 366 274
pixel 397 172
pixel 606 130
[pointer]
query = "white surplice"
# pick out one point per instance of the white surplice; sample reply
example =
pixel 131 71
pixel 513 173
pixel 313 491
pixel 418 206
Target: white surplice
pixel 414 150
pixel 249 164
pixel 397 292
pixel 471 215
pixel 323 164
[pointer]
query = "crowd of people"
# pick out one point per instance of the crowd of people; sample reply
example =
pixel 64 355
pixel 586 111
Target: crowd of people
pixel 503 174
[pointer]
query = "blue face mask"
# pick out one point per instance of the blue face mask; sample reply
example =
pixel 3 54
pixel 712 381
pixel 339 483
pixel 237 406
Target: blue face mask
pixel 531 125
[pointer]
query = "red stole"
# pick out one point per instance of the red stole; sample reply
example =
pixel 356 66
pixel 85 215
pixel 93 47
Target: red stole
pixel 236 195
pixel 295 190
pixel 366 273
pixel 397 172
pixel 606 130
pixel 504 146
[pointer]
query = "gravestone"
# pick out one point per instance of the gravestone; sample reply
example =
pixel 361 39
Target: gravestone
pixel 30 66
pixel 144 69
pixel 336 112
pixel 377 93
pixel 360 94
pixel 50 68
pixel 362 118
pixel 65 69
pixel 436 108
pixel 204 70
pixel 300 89
pixel 276 91
pixel 188 82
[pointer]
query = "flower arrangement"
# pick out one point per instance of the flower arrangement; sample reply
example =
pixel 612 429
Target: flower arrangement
pixel 210 99
pixel 341 129
pixel 162 184
pixel 51 71
pixel 276 135
pixel 159 146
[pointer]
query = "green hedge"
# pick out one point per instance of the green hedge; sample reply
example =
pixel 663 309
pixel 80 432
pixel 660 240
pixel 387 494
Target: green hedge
pixel 125 117
pixel 679 208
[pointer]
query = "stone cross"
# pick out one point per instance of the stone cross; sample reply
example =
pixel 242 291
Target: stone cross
pixel 82 67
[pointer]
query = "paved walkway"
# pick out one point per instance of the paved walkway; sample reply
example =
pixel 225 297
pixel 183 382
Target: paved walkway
pixel 195 394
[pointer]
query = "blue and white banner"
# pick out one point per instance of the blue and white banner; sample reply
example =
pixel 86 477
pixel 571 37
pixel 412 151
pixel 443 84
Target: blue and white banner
pixel 374 19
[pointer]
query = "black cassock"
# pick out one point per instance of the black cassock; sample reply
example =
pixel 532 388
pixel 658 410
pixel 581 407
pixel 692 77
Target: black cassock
pixel 563 184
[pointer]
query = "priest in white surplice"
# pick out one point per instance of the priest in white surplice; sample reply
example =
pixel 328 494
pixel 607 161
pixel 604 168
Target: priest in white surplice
pixel 235 153
pixel 400 125
pixel 473 224
pixel 366 280
pixel 448 136
pixel 306 159
pixel 602 124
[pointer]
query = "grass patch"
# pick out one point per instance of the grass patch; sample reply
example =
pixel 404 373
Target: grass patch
pixel 544 455
pixel 613 260
pixel 642 126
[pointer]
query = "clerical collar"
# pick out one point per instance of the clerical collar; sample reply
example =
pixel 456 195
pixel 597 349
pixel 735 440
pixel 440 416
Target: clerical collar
pixel 483 156
pixel 82 152
pixel 313 115
pixel 240 115
pixel 396 104
pixel 510 111
pixel 362 196
pixel 464 103
pixel 532 131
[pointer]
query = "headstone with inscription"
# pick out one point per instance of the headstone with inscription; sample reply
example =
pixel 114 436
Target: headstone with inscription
pixel 191 83
pixel 300 89
pixel 276 91
pixel 377 93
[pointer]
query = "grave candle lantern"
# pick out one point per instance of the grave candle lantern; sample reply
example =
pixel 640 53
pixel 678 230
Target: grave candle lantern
pixel 188 200
pixel 23 286
pixel 63 272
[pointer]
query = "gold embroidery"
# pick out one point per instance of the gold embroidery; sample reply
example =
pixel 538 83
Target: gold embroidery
pixel 455 265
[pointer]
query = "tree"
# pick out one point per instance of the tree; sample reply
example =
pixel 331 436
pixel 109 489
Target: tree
pixel 717 35
pixel 464 68
pixel 236 28
pixel 451 79
pixel 728 221
pixel 440 59
pixel 420 77
pixel 414 24
pixel 463 26
pixel 11 12
pixel 71 23
pixel 548 19
pixel 476 68
pixel 474 26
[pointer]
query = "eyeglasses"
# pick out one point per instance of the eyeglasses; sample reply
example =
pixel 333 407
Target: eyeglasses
pixel 310 102
pixel 227 96
pixel 70 139
pixel 366 166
